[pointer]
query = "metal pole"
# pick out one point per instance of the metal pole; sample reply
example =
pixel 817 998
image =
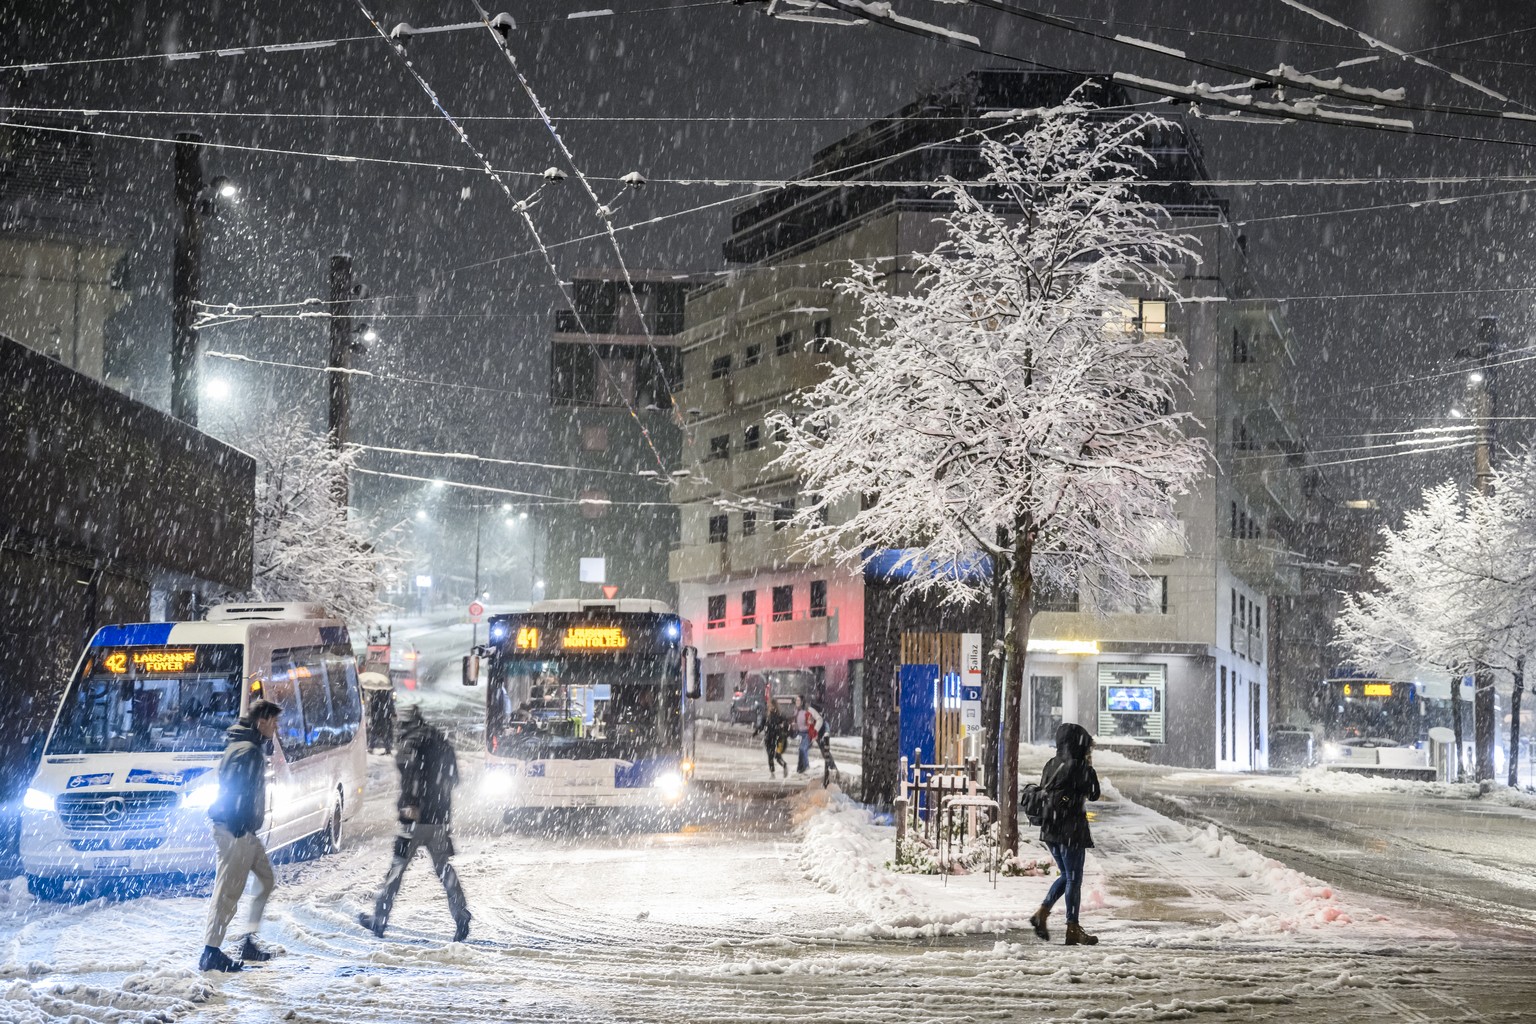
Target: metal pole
pixel 1484 701
pixel 474 627
pixel 186 278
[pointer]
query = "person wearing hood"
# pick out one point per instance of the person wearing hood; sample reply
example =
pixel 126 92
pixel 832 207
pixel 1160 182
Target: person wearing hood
pixel 1068 780
pixel 429 770
pixel 238 814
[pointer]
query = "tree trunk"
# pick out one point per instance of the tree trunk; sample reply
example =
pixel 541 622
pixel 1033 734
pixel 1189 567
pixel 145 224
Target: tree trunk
pixel 1022 581
pixel 992 694
pixel 1484 728
pixel 1514 723
pixel 1456 721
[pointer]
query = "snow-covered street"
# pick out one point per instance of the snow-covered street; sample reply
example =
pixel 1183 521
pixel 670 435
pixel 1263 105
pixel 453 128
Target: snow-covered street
pixel 777 901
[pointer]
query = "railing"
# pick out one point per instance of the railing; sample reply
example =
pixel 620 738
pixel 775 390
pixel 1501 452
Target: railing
pixel 931 797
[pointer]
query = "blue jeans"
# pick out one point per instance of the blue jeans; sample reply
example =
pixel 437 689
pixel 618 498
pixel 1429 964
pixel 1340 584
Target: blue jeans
pixel 1070 860
pixel 804 763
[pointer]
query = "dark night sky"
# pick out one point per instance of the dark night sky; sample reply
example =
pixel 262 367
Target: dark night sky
pixel 412 230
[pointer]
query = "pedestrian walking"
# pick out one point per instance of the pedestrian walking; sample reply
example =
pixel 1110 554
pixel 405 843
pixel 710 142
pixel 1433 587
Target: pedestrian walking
pixel 381 720
pixel 773 727
pixel 805 729
pixel 1067 780
pixel 429 770
pixel 238 814
pixel 824 744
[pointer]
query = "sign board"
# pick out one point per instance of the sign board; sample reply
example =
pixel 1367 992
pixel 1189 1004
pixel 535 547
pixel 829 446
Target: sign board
pixel 476 609
pixel 610 591
pixel 423 582
pixel 970 680
pixel 593 570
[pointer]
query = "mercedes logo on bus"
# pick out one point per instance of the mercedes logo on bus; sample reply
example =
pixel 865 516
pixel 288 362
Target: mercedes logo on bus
pixel 114 810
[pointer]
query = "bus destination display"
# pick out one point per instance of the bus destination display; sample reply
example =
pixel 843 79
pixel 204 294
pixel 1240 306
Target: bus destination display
pixel 155 659
pixel 583 638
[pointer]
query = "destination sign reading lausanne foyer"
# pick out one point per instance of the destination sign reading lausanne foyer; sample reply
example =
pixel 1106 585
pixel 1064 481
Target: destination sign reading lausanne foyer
pixel 156 660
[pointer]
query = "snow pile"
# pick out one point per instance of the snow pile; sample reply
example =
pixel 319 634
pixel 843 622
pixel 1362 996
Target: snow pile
pixel 177 982
pixel 1317 904
pixel 26 1002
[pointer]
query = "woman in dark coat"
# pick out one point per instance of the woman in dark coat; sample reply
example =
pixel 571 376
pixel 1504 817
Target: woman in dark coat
pixel 1068 780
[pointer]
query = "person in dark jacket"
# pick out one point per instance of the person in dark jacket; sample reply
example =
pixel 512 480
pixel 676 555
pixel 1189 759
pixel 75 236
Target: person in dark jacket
pixel 238 814
pixel 1068 780
pixel 381 720
pixel 774 728
pixel 429 770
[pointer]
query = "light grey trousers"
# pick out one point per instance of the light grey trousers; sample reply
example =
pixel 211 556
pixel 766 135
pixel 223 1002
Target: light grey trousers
pixel 440 846
pixel 239 858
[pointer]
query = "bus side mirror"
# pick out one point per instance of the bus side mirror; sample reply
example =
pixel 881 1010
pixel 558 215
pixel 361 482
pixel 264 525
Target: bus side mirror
pixel 35 746
pixel 691 673
pixel 471 669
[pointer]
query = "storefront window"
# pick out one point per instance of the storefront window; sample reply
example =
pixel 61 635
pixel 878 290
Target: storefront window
pixel 1131 699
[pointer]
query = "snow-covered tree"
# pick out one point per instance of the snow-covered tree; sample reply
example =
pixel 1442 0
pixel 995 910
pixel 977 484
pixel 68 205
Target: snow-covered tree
pixel 1008 412
pixel 1455 587
pixel 306 548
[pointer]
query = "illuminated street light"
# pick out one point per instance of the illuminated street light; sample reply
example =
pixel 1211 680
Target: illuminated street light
pixel 1457 414
pixel 217 388
pixel 523 514
pixel 421 514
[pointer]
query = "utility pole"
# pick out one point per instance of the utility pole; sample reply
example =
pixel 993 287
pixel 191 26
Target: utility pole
pixel 337 383
pixel 1483 394
pixel 186 278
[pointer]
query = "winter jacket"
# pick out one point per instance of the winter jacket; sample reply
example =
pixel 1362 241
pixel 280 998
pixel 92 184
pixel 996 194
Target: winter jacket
pixel 773 725
pixel 1070 772
pixel 241 805
pixel 429 770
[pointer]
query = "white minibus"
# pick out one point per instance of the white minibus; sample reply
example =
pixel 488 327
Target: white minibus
pixel 129 769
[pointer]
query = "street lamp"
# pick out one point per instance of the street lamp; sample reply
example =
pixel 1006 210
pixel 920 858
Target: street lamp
pixel 196 201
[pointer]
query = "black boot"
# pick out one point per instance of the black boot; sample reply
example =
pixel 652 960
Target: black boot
pixel 461 930
pixel 214 959
pixel 1037 921
pixel 254 952
pixel 368 921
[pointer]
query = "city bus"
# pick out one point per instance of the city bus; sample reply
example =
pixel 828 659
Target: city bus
pixel 588 704
pixel 129 766
pixel 1375 726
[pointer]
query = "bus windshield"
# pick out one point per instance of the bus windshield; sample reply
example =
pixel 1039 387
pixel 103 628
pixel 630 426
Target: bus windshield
pixel 1358 717
pixel 584 706
pixel 150 699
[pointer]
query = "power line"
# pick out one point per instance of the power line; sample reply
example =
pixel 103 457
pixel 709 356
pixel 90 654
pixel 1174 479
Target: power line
pixel 469 457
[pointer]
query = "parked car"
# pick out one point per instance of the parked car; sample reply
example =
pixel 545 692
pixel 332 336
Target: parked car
pixel 758 686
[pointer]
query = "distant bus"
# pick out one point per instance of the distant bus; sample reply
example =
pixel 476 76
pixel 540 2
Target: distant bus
pixel 1375 726
pixel 589 704
pixel 129 768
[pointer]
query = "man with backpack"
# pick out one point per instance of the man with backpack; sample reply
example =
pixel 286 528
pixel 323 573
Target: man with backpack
pixel 1066 782
pixel 428 772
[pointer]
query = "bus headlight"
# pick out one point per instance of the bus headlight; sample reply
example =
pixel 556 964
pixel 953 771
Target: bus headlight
pixel 670 785
pixel 496 782
pixel 37 800
pixel 200 798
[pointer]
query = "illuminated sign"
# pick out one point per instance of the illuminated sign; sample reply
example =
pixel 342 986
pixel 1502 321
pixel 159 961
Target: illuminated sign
pixel 156 660
pixel 1378 689
pixel 527 637
pixel 1064 646
pixel 595 637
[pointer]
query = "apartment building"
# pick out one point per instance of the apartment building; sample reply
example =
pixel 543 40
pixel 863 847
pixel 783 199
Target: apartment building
pixel 613 372
pixel 1177 676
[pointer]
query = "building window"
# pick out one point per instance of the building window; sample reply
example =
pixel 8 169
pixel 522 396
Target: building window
pixel 749 607
pixel 754 355
pixel 818 599
pixel 714 686
pixel 821 335
pixel 1152 317
pixel 1223 711
pixel 1055 599
pixel 752 438
pixel 716 618
pixel 783 512
pixel 783 603
pixel 784 344
pixel 1153 598
pixel 721 367
pixel 719 447
pixel 594 439
pixel 719 528
pixel 749 524
pixel 1239 346
pixel 781 433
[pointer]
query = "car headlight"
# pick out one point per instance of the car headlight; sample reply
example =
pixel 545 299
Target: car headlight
pixel 669 785
pixel 496 782
pixel 202 797
pixel 37 800
pixel 1332 750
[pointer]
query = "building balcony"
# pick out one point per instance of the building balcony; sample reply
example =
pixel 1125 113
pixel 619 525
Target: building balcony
pixel 695 562
pixel 1261 563
pixel 730 639
pixel 800 631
